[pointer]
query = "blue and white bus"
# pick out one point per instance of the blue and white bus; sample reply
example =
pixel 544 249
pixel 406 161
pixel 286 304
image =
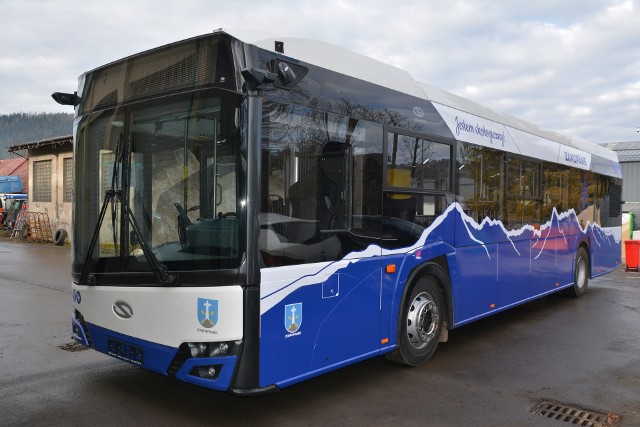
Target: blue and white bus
pixel 252 211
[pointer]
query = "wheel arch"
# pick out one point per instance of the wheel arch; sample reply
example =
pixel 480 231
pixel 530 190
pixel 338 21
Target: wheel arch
pixel 438 268
pixel 584 243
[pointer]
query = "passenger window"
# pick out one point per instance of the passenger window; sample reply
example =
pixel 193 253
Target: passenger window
pixel 523 193
pixel 480 180
pixel 414 162
pixel 407 216
pixel 555 182
pixel 524 178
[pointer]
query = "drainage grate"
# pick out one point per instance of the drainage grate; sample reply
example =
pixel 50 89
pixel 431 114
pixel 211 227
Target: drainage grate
pixel 72 346
pixel 574 415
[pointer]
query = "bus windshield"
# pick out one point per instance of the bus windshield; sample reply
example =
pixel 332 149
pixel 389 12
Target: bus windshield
pixel 161 181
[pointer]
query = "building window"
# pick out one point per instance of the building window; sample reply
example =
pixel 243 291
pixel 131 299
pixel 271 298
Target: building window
pixel 68 179
pixel 42 181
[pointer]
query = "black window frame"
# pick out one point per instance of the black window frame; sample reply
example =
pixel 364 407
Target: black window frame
pixel 425 136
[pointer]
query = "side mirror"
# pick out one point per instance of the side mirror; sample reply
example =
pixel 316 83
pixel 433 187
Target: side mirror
pixel 66 98
pixel 289 75
pixel 285 73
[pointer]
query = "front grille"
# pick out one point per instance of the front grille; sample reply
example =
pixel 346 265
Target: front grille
pixel 179 66
pixel 105 99
pixel 170 73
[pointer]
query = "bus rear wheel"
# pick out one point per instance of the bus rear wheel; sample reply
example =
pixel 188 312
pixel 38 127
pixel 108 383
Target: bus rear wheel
pixel 420 323
pixel 580 273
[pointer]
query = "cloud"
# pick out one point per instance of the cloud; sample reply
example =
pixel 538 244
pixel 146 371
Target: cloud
pixel 571 66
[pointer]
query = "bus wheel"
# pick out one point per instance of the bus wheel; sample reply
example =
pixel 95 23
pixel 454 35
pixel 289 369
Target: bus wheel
pixel 580 273
pixel 420 323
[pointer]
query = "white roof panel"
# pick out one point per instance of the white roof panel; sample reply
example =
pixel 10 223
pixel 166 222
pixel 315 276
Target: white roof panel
pixel 525 138
pixel 336 59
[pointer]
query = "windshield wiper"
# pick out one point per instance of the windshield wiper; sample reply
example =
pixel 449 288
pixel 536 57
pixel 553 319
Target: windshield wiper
pixel 160 270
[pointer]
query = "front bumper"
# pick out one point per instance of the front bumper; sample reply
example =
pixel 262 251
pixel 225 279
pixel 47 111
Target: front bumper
pixel 210 372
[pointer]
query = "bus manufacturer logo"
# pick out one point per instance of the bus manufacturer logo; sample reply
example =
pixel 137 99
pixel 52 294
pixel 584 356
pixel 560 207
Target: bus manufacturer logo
pixel 293 317
pixel 122 309
pixel 207 312
pixel 418 112
pixel 77 298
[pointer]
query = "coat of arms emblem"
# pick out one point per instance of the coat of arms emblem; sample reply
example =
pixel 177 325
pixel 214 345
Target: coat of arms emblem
pixel 293 317
pixel 207 312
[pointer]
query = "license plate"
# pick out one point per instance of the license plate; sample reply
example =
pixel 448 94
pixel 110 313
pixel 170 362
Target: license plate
pixel 124 351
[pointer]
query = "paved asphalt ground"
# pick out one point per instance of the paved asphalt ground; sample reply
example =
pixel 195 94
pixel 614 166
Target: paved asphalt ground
pixel 581 353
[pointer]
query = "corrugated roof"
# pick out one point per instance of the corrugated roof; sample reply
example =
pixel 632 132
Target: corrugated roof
pixel 628 155
pixel 42 143
pixel 17 167
pixel 8 167
pixel 622 145
pixel 628 151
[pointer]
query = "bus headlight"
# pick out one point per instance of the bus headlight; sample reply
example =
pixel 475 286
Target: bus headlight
pixel 213 349
pixel 224 348
pixel 202 349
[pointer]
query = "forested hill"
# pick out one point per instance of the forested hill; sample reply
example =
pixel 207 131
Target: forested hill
pixel 20 128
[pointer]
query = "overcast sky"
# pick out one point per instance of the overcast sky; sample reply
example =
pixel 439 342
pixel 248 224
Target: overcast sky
pixel 568 65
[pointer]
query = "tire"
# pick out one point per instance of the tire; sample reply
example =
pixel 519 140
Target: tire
pixel 60 236
pixel 580 273
pixel 419 323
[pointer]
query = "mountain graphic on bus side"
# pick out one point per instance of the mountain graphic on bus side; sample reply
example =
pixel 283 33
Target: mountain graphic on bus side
pixel 560 225
pixel 549 236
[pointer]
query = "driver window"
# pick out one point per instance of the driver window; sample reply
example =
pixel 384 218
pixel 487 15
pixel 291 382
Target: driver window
pixel 306 198
pixel 303 186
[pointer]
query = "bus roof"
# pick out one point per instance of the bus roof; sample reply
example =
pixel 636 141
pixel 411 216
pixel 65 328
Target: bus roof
pixel 518 136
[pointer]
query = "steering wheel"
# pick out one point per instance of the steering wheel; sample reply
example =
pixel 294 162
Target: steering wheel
pixel 228 214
